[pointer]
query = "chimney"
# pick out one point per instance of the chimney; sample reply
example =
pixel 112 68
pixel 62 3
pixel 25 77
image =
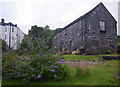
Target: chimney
pixel 15 25
pixel 2 21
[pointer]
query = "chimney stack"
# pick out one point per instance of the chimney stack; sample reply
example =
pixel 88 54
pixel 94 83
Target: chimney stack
pixel 2 21
pixel 15 25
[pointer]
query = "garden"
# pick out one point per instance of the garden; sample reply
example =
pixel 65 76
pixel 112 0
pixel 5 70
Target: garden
pixel 35 63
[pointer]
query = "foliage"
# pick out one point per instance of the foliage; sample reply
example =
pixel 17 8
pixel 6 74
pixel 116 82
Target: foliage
pixel 30 45
pixel 118 39
pixel 5 48
pixel 99 75
pixel 81 71
pixel 38 67
pixel 38 40
pixel 81 57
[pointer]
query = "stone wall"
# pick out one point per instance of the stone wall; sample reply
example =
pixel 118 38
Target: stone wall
pixel 86 33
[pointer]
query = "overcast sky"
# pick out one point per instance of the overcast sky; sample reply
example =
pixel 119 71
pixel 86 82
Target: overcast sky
pixel 55 13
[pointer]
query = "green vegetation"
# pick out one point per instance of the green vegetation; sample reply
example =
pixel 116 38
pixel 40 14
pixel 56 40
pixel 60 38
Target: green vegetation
pixel 118 42
pixel 34 64
pixel 99 74
pixel 118 39
pixel 81 57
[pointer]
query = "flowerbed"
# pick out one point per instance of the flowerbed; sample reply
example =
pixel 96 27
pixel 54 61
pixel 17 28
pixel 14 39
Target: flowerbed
pixel 38 67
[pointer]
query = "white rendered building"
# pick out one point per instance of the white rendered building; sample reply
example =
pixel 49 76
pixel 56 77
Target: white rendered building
pixel 11 34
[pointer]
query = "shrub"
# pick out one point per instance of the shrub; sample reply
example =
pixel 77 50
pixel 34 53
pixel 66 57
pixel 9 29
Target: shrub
pixel 118 49
pixel 38 67
pixel 81 71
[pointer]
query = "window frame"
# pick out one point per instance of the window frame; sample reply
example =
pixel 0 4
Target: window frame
pixel 102 25
pixel 5 29
pixel 12 29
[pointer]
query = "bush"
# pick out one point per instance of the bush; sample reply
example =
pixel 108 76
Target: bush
pixel 118 49
pixel 81 71
pixel 44 66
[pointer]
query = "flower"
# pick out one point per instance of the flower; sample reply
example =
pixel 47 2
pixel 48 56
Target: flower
pixel 16 76
pixel 56 66
pixel 95 63
pixel 49 61
pixel 18 73
pixel 38 76
pixel 55 76
pixel 62 57
pixel 53 70
pixel 62 60
pixel 32 69
pixel 9 61
pixel 56 63
pixel 50 50
pixel 26 65
pixel 23 80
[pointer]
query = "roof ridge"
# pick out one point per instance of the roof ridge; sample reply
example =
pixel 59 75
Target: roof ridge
pixel 76 20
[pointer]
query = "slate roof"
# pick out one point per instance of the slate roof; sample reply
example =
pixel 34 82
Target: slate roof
pixel 82 18
pixel 9 24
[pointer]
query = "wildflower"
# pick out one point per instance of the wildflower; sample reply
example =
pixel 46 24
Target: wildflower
pixel 49 61
pixel 53 70
pixel 16 76
pixel 23 81
pixel 62 57
pixel 26 65
pixel 41 52
pixel 50 50
pixel 56 66
pixel 18 73
pixel 62 60
pixel 9 61
pixel 31 56
pixel 38 76
pixel 32 69
pixel 56 63
pixel 95 63
pixel 55 76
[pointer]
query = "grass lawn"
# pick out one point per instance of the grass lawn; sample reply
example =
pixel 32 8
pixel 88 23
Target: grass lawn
pixel 99 74
pixel 86 57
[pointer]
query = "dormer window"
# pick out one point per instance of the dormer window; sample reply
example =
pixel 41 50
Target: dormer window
pixel 102 25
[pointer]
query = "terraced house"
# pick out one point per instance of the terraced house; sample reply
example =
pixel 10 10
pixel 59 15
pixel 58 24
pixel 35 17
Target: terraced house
pixel 11 34
pixel 95 32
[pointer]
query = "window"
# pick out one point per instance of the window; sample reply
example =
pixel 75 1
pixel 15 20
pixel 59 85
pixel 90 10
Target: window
pixel 5 37
pixel 102 26
pixel 6 29
pixel 12 29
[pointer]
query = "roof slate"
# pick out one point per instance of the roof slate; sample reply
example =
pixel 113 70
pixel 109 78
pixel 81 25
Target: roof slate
pixel 80 18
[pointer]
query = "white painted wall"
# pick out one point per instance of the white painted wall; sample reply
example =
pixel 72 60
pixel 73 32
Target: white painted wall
pixel 12 35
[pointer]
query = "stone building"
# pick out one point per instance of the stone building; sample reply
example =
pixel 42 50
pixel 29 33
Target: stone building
pixel 95 32
pixel 11 34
